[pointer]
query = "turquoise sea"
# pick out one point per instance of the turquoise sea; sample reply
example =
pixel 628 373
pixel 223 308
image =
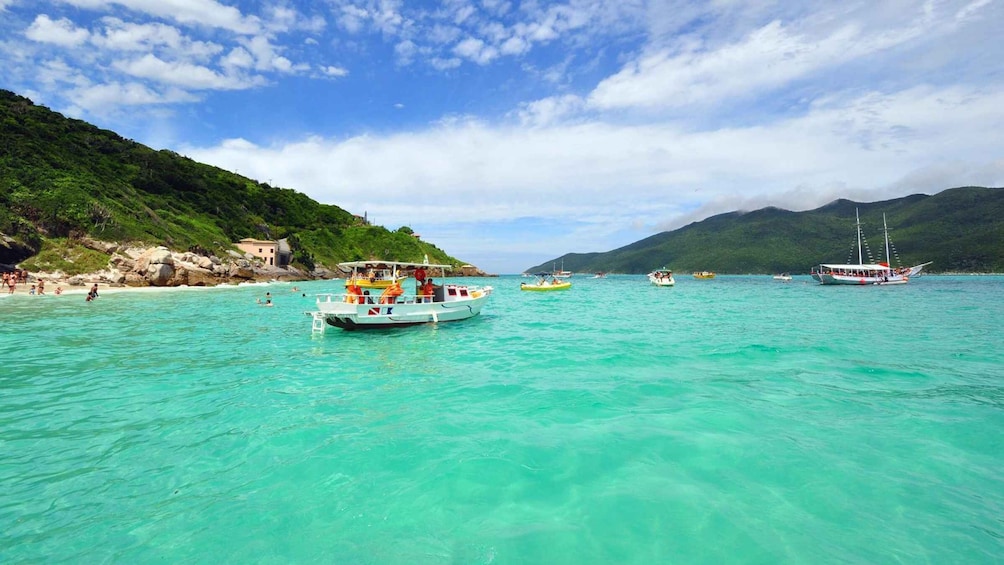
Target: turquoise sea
pixel 734 420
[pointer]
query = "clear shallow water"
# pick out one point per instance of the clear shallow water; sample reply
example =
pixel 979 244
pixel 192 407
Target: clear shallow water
pixel 738 420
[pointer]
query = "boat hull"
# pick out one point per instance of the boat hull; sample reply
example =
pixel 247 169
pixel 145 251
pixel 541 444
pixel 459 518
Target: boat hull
pixel 854 280
pixel 545 287
pixel 337 311
pixel 662 282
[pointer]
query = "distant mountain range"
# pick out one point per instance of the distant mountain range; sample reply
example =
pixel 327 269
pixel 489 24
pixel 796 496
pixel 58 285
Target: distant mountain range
pixel 959 229
pixel 62 179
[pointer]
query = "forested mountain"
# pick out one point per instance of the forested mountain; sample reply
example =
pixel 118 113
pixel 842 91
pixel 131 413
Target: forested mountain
pixel 65 178
pixel 960 230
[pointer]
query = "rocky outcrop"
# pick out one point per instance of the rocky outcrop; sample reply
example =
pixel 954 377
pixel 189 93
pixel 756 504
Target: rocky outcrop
pixel 13 252
pixel 159 266
pixel 156 266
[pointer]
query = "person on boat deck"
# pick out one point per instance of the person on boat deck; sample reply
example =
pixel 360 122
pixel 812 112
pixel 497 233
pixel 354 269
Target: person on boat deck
pixel 428 289
pixel 355 294
pixel 390 294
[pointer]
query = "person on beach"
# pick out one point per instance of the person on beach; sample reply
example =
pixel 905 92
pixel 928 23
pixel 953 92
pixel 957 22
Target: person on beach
pixel 59 290
pixel 93 293
pixel 41 287
pixel 31 290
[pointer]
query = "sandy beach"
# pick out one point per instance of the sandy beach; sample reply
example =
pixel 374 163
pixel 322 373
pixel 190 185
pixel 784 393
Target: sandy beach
pixel 22 291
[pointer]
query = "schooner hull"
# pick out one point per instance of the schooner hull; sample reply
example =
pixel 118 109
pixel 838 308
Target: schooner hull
pixel 830 279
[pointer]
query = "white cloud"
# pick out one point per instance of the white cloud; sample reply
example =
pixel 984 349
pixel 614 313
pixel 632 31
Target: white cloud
pixel 768 57
pixel 445 64
pixel 181 74
pixel 191 12
pixel 266 55
pixel 514 46
pixel 475 50
pixel 57 73
pixel 60 32
pixel 238 57
pixel 618 173
pixel 352 19
pixel 334 71
pixel 969 10
pixel 119 35
pixel 106 97
pixel 405 52
pixel 548 111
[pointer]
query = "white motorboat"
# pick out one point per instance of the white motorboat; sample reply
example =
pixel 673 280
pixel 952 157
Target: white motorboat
pixel 863 273
pixel 783 277
pixel 394 306
pixel 662 277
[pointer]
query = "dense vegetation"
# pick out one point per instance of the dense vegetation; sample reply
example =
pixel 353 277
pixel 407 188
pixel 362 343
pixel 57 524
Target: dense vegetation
pixel 64 178
pixel 960 230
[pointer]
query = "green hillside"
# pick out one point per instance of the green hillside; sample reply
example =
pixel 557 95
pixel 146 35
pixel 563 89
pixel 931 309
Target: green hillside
pixel 960 230
pixel 64 178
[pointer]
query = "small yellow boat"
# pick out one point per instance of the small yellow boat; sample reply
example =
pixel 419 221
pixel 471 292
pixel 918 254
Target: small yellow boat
pixel 704 275
pixel 546 283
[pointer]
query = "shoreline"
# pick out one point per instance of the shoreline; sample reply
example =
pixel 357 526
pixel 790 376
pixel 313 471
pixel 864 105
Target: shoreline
pixel 22 290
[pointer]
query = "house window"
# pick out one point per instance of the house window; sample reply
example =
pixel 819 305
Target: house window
pixel 259 250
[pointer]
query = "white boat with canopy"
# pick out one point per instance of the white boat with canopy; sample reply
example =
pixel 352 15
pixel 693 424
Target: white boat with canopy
pixel 430 301
pixel 863 273
pixel 662 277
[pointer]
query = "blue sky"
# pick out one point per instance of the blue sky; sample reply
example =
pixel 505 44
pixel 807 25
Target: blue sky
pixel 509 133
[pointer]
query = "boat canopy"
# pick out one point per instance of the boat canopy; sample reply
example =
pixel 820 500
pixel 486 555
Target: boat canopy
pixel 389 265
pixel 856 267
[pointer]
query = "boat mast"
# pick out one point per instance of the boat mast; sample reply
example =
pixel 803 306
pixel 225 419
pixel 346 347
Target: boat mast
pixel 858 219
pixel 885 228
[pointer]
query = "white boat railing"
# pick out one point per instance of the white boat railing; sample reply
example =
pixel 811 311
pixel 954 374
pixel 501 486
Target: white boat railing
pixel 449 293
pixel 375 299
